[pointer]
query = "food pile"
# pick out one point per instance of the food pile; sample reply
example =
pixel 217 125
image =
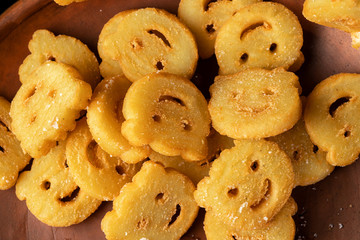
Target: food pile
pixel 136 131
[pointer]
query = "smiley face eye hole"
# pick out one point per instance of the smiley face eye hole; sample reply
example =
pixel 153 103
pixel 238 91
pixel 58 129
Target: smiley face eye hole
pixel 45 185
pixel 273 47
pixel 210 28
pixel 156 118
pixel 159 65
pixel 232 192
pixel 254 166
pixel 185 124
pixel 244 57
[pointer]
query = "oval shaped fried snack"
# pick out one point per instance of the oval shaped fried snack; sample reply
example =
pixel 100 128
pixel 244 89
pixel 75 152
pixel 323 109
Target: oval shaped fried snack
pixel 281 227
pixel 45 107
pixel 168 113
pixel 45 46
pixel 248 184
pixel 12 157
pixel 110 67
pixel 265 35
pixel 343 15
pixel 158 204
pixel 309 162
pixel 332 118
pixel 205 18
pixel 96 172
pixel 105 117
pixel 196 170
pixel 255 103
pixel 51 193
pixel 152 40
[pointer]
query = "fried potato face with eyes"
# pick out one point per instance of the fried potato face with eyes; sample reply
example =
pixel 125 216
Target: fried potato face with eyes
pixel 105 117
pixel 46 106
pixel 158 204
pixel 255 103
pixel 309 162
pixel 168 113
pixel 45 46
pixel 51 193
pixel 205 18
pixel 265 35
pixel 96 172
pixel 332 118
pixel 248 184
pixel 152 40
pixel 282 226
pixel 12 157
pixel 196 170
pixel 110 67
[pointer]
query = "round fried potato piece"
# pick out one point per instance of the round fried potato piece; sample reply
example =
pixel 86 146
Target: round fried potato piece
pixel 309 162
pixel 152 40
pixel 343 15
pixel 265 35
pixel 110 67
pixel 45 46
pixel 158 204
pixel 255 103
pixel 168 113
pixel 248 184
pixel 12 157
pixel 45 107
pixel 105 118
pixel 205 18
pixel 51 193
pixel 196 170
pixel 96 172
pixel 281 227
pixel 332 118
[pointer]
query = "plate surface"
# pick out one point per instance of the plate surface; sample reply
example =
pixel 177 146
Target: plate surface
pixel 327 210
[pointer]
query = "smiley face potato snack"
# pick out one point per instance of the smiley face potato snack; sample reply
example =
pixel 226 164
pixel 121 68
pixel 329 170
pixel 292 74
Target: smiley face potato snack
pixel 205 18
pixel 12 157
pixel 332 118
pixel 255 103
pixel 265 35
pixel 281 227
pixel 157 204
pixel 51 193
pixel 248 184
pixel 165 111
pixel 45 107
pixel 152 40
pixel 96 172
pixel 343 15
pixel 105 117
pixel 45 46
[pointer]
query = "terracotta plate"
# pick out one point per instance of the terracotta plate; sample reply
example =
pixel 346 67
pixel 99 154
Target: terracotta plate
pixel 327 210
